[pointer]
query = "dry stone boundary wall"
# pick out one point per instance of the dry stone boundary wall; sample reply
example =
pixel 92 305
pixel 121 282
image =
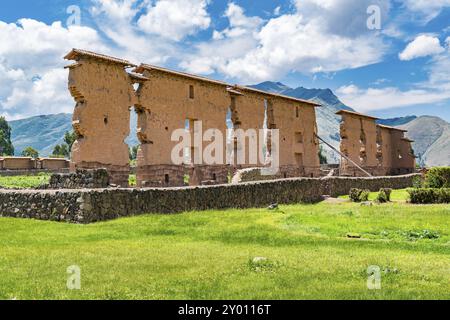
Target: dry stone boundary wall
pixel 92 205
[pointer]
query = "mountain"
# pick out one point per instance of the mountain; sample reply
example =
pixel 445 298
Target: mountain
pixel 275 87
pixel 395 122
pixel 432 140
pixel 327 121
pixel 44 132
pixel 40 132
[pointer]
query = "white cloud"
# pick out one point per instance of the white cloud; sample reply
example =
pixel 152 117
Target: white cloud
pixel 371 99
pixel 277 11
pixel 175 19
pixel 310 40
pixel 32 80
pixel 116 19
pixel 435 89
pixel 426 10
pixel 48 94
pixel 422 46
pixel 231 43
pixel 239 23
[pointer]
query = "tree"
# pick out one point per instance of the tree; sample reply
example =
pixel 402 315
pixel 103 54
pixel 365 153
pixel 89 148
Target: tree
pixel 6 146
pixel 133 152
pixel 69 139
pixel 61 151
pixel 322 156
pixel 30 152
pixel 64 149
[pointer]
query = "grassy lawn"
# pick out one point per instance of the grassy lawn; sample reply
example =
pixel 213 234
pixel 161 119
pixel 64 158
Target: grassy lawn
pixel 23 182
pixel 397 195
pixel 210 255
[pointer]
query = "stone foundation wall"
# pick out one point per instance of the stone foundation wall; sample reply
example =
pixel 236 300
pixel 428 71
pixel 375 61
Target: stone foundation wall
pixel 285 172
pixel 160 176
pixel 208 175
pixel 81 179
pixel 118 175
pixel 86 206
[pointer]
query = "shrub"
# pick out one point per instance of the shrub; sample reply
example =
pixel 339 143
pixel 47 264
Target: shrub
pixel 418 182
pixel 364 196
pixel 438 177
pixel 384 195
pixel 359 195
pixel 429 195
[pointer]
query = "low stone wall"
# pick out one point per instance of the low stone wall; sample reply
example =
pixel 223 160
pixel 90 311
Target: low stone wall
pixel 80 179
pixel 338 186
pixel 31 172
pixel 86 206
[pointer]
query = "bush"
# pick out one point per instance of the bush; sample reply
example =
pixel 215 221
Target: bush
pixel 384 195
pixel 429 195
pixel 359 195
pixel 438 177
pixel 418 182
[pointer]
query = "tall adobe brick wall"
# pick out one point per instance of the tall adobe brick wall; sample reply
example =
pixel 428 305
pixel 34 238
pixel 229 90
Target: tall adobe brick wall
pixel 379 150
pixel 104 93
pixel 299 147
pixel 166 101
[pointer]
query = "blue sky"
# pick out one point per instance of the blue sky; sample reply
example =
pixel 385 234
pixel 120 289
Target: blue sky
pixel 398 65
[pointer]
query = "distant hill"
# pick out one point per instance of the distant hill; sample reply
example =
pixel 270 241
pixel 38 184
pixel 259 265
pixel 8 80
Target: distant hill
pixel 40 132
pixel 432 140
pixel 394 122
pixel 44 132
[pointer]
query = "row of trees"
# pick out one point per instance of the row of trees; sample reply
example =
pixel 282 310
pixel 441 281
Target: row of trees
pixel 7 149
pixel 6 146
pixel 59 151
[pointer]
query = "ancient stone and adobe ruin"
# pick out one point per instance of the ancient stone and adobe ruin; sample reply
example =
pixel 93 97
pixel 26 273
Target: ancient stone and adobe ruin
pixel 106 89
pixel 167 100
pixel 379 150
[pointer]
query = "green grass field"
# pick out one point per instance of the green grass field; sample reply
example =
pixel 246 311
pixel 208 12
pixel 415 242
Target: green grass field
pixel 397 195
pixel 210 255
pixel 23 182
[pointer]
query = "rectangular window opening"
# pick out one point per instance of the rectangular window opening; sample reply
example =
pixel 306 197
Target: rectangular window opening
pixel 299 137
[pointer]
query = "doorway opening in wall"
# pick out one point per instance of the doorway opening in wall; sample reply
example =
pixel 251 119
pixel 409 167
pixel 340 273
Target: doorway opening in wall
pixel 299 159
pixel 266 146
pixel 231 144
pixel 192 155
pixel 133 145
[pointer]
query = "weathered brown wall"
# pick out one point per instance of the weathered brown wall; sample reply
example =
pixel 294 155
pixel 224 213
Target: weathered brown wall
pixel 164 106
pixel 299 147
pixel 385 150
pixel 359 143
pixel 18 163
pixel 53 164
pixel 103 93
pixel 378 149
pixel 165 101
pixel 248 112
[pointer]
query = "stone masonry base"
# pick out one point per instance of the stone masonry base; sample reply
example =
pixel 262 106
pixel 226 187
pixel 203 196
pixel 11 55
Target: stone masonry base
pixel 87 206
